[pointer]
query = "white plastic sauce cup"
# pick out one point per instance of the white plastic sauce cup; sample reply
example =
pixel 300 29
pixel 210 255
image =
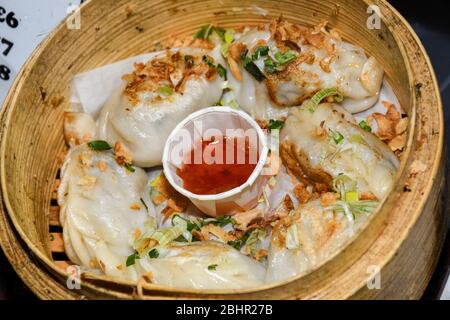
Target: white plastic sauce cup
pixel 196 127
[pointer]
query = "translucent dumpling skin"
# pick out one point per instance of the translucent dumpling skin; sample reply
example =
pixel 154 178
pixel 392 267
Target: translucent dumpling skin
pixel 304 239
pixel 156 97
pixel 327 142
pixel 204 265
pixel 100 209
pixel 300 62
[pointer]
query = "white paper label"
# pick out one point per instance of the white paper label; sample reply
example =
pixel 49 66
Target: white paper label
pixel 23 25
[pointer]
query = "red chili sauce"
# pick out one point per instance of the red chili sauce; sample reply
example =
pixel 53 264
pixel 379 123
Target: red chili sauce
pixel 204 177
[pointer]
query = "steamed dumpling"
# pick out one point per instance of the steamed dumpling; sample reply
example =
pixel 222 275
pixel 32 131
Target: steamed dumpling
pixel 156 97
pixel 203 265
pixel 79 127
pixel 326 143
pixel 100 209
pixel 318 60
pixel 305 238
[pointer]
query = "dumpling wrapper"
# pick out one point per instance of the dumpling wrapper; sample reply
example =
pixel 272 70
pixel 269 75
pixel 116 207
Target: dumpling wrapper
pixel 143 127
pixel 100 210
pixel 319 233
pixel 347 68
pixel 360 155
pixel 203 265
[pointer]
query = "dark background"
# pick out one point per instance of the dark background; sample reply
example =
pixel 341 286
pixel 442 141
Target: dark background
pixel 431 21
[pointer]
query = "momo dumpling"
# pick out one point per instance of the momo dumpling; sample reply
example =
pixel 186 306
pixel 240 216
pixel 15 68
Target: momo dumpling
pixel 325 143
pixel 156 97
pixel 294 63
pixel 306 237
pixel 100 209
pixel 203 265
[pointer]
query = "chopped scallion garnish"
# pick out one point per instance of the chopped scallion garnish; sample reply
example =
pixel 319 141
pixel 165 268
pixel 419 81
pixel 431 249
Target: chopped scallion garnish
pixel 351 196
pixel 251 67
pixel 222 71
pixel 336 136
pixel 204 32
pixel 166 90
pixel 99 145
pixel 260 52
pixel 144 204
pixel 363 125
pixel 312 104
pixel 132 259
pixel 286 57
pixel 275 124
pixel 153 254
pixel 212 267
pixel 129 167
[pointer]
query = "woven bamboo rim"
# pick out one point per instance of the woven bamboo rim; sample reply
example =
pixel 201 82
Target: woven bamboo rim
pixel 390 238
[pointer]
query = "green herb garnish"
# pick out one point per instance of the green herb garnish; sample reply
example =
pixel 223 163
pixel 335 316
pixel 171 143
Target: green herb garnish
pixel 270 66
pixel 220 221
pixel 153 254
pixel 286 57
pixel 144 204
pixel 363 125
pixel 251 67
pixel 212 267
pixel 238 244
pixel 336 136
pixel 204 32
pixel 228 36
pixel 166 90
pixel 275 124
pixel 132 259
pixel 129 167
pixel 312 104
pixel 260 52
pixel 222 71
pixel 99 145
pixel 208 61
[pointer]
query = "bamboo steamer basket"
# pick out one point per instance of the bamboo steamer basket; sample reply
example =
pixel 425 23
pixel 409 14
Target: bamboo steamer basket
pixel 403 239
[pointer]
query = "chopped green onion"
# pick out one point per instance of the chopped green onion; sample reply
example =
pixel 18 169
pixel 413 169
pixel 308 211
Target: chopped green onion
pixel 153 254
pixel 228 36
pixel 239 243
pixel 270 66
pixel 251 67
pixel 351 196
pixel 363 125
pixel 342 184
pixel 352 208
pixel 166 90
pixel 220 221
pixel 275 124
pixel 286 57
pixel 336 136
pixel 208 61
pixel 256 236
pixel 99 145
pixel 154 183
pixel 312 104
pixel 212 267
pixel 222 71
pixel 204 32
pixel 260 52
pixel 129 167
pixel 224 49
pixel 132 259
pixel 145 205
